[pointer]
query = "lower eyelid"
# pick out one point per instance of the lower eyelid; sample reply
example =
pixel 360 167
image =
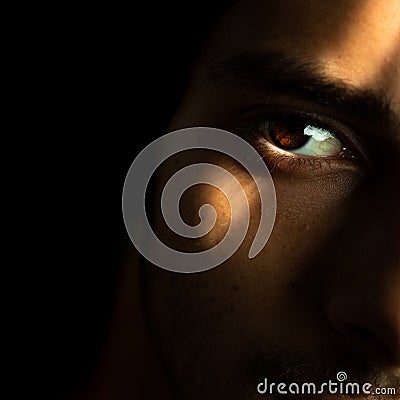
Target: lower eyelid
pixel 277 160
pixel 280 160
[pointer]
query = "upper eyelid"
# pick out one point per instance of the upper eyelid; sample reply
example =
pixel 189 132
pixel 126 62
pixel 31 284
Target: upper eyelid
pixel 275 111
pixel 319 120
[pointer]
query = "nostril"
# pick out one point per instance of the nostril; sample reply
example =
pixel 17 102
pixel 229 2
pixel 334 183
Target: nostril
pixel 370 328
pixel 366 340
pixel 360 333
pixel 359 336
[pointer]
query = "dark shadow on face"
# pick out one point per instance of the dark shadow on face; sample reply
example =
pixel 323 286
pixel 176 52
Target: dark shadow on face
pixel 323 296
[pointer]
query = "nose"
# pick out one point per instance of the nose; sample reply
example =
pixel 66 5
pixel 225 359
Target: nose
pixel 363 295
pixel 367 317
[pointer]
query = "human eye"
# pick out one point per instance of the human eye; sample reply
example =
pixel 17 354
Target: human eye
pixel 303 141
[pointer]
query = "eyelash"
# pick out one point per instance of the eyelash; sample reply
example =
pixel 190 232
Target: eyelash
pixel 278 159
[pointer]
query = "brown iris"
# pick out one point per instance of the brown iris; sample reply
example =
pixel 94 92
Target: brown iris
pixel 288 135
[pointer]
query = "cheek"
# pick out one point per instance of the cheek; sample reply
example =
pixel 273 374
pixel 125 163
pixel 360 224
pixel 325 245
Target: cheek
pixel 260 291
pixel 203 316
pixel 308 210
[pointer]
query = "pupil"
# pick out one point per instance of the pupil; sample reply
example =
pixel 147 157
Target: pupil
pixel 288 135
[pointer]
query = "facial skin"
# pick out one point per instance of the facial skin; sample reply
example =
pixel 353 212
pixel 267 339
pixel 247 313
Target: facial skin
pixel 324 294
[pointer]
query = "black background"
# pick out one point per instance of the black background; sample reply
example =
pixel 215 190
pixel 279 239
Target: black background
pixel 111 76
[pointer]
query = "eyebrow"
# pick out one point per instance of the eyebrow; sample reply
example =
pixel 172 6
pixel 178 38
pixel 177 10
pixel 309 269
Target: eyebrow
pixel 276 72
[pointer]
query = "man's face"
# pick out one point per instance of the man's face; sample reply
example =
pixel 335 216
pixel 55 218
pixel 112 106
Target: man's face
pixel 324 294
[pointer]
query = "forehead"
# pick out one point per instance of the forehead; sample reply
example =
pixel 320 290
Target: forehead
pixel 354 40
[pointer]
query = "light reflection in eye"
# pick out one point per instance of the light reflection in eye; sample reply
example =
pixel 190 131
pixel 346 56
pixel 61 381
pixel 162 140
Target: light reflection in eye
pixel 321 143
